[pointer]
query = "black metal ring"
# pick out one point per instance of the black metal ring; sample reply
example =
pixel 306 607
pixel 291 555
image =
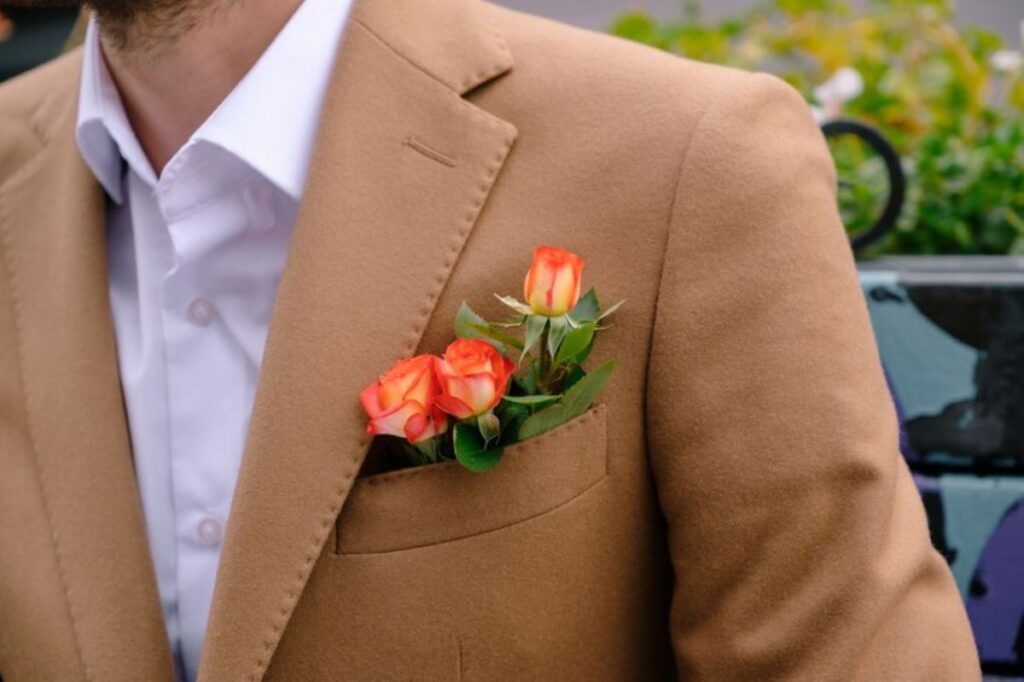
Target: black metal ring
pixel 894 168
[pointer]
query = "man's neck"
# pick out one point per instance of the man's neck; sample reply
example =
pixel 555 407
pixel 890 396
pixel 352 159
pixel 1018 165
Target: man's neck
pixel 170 82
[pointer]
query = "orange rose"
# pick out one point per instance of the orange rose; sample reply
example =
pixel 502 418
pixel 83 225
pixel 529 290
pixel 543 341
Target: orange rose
pixel 401 402
pixel 473 376
pixel 552 285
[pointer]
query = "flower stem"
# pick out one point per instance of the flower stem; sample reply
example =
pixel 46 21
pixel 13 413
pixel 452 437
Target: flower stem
pixel 544 368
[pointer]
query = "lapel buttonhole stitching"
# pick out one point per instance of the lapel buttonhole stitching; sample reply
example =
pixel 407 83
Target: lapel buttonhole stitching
pixel 423 148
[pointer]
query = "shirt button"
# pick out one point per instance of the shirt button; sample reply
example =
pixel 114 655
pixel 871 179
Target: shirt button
pixel 209 532
pixel 201 311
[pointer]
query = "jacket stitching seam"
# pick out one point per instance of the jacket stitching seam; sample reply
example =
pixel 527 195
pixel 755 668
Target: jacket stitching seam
pixel 456 102
pixel 575 424
pixel 16 308
pixel 603 476
pixel 426 150
pixel 680 173
pixel 524 446
pixel 482 76
pixel 376 36
pixel 293 592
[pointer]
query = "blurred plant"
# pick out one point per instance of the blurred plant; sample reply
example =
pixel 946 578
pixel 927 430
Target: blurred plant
pixel 950 100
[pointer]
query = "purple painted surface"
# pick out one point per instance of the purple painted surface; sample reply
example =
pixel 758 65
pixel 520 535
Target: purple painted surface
pixel 996 602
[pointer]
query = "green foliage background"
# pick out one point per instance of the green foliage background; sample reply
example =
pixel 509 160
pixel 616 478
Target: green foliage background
pixel 931 89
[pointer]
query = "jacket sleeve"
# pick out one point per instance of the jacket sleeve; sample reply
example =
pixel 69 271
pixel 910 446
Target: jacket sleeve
pixel 798 540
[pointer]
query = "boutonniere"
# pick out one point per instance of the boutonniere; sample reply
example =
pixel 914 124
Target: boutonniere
pixel 498 383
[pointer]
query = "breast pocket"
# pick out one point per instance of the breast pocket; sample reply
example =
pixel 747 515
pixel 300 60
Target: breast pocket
pixel 444 502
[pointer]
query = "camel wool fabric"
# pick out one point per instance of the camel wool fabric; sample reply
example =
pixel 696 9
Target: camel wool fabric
pixel 736 508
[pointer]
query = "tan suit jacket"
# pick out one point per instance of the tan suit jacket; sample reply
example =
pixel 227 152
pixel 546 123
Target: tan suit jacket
pixel 736 509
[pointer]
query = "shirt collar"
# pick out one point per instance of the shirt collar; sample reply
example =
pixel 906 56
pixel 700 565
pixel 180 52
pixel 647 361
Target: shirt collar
pixel 269 120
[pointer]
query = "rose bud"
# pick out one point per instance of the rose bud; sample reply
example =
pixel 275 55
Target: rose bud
pixel 473 376
pixel 552 285
pixel 401 402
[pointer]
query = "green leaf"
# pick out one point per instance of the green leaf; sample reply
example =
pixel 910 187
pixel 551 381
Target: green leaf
pixel 535 325
pixel 574 402
pixel 428 450
pixel 573 376
pixel 557 330
pixel 470 449
pixel 515 304
pixel 526 383
pixel 498 339
pixel 511 324
pixel 512 415
pixel 606 313
pixel 532 399
pixel 584 392
pixel 507 410
pixel 527 379
pixel 489 425
pixel 576 344
pixel 469 325
pixel 414 454
pixel 587 308
pixel 464 321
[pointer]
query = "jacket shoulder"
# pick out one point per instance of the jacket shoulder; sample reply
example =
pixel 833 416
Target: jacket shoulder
pixel 39 90
pixel 626 108
pixel 595 69
pixel 30 102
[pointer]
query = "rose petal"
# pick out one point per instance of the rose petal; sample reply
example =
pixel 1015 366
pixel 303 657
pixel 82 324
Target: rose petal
pixel 392 423
pixel 562 290
pixel 370 400
pixel 415 427
pixel 405 381
pixel 453 406
pixel 477 391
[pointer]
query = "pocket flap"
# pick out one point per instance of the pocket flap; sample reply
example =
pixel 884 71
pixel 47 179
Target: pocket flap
pixel 443 502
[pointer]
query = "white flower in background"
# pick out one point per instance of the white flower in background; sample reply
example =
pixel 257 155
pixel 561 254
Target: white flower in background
pixel 844 85
pixel 1007 61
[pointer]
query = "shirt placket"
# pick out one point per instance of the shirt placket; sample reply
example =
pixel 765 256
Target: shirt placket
pixel 206 398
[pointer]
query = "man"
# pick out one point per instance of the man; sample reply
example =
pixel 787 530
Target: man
pixel 736 509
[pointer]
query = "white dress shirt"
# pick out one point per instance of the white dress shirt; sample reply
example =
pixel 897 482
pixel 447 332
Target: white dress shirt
pixel 195 256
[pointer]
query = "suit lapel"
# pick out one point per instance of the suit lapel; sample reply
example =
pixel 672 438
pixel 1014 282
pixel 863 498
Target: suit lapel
pixel 402 170
pixel 52 224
